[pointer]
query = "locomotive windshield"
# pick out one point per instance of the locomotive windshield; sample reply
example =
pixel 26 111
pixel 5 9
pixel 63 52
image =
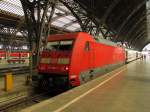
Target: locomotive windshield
pixel 61 45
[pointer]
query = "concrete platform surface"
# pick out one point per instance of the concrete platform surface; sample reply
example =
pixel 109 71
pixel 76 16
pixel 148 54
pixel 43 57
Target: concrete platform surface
pixel 17 80
pixel 19 90
pixel 126 89
pixel 18 84
pixel 12 65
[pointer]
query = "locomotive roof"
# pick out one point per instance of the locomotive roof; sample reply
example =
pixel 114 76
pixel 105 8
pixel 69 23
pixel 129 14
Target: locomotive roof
pixel 74 35
pixel 66 36
pixel 107 42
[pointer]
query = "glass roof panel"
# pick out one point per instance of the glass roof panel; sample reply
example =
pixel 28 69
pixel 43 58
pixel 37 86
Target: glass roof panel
pixel 15 7
pixel 65 20
pixel 57 11
pixel 147 47
pixel 64 7
pixel 17 2
pixel 76 25
pixel 58 23
pixel 11 7
pixel 54 15
pixel 71 28
pixel 71 17
pixel 19 34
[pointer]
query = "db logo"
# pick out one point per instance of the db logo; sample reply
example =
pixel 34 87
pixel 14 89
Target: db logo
pixel 54 60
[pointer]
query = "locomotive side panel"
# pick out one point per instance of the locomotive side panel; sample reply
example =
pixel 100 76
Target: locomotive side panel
pixel 90 59
pixel 103 58
pixel 80 59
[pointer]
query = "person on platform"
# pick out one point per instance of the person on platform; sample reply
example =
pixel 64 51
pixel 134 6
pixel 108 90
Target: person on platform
pixel 144 57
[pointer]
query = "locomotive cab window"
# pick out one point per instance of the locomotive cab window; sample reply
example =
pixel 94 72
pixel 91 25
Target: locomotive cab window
pixel 87 46
pixel 61 45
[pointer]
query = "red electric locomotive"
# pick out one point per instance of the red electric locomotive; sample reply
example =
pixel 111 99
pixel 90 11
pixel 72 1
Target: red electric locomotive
pixel 76 58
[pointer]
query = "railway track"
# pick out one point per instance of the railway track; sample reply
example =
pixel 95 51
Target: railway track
pixel 16 106
pixel 14 70
pixel 19 104
pixel 13 106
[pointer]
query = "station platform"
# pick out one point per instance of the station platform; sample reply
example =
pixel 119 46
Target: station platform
pixel 20 89
pixel 2 66
pixel 18 80
pixel 126 89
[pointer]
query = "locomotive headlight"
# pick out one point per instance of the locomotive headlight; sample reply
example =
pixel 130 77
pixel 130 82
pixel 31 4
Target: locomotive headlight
pixel 45 60
pixel 66 68
pixel 63 61
pixel 73 76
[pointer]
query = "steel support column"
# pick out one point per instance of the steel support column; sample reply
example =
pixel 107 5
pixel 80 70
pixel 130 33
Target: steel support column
pixel 38 23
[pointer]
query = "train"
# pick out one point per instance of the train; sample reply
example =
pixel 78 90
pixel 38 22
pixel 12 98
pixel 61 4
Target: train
pixel 73 59
pixel 132 55
pixel 14 57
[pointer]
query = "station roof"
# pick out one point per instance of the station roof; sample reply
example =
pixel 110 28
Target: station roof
pixel 127 18
pixel 12 11
pixel 12 19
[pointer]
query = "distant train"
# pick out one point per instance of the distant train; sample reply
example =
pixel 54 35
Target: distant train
pixel 75 58
pixel 132 55
pixel 14 57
